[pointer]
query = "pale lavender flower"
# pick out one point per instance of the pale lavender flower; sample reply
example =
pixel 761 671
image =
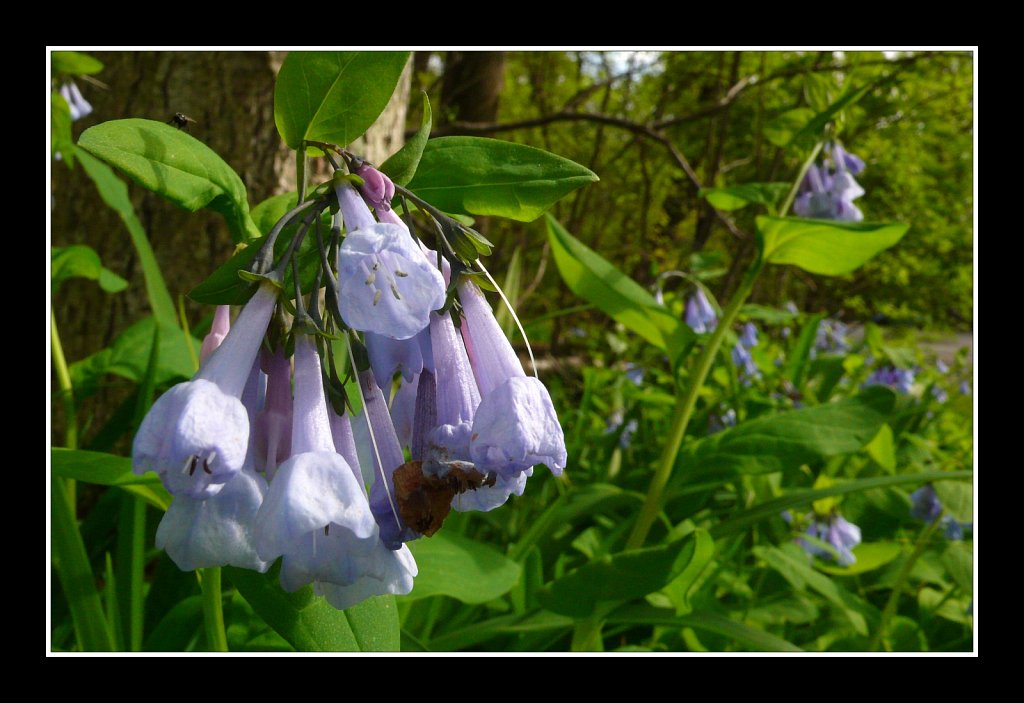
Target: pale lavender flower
pixel 196 435
pixel 940 394
pixel 941 366
pixel 742 360
pixel 836 531
pixel 829 195
pixel 385 283
pixel 965 388
pixel 851 162
pixel 749 336
pixel 390 356
pixel 316 513
pixel 77 103
pixel 700 316
pixel 635 374
pixel 901 380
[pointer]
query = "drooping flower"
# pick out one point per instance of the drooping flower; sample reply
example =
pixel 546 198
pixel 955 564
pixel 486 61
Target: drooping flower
pixel 386 286
pixel 196 435
pixel 828 191
pixel 272 436
pixel 77 103
pixel 218 331
pixel 700 316
pixel 965 388
pixel 515 426
pixel 390 356
pixel 749 337
pixel 742 359
pixel 925 504
pixel 316 513
pixel 831 338
pixel 941 366
pixel 836 531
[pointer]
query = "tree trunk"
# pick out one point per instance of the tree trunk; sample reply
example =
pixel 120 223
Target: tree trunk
pixel 471 90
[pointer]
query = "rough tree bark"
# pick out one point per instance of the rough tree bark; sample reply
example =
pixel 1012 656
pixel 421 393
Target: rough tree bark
pixel 472 85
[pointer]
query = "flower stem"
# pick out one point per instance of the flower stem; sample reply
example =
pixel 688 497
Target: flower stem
pixel 894 596
pixel 682 413
pixel 213 611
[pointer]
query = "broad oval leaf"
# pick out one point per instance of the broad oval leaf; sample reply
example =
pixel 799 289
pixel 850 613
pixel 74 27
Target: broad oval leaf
pixel 311 624
pixel 738 196
pixel 74 63
pixel 173 164
pixel 469 571
pixel 597 281
pixel 401 166
pixel 80 261
pixel 479 176
pixel 788 439
pixel 630 574
pixel 828 247
pixel 333 96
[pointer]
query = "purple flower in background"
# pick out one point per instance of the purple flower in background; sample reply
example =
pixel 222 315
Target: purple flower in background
pixel 925 504
pixel 941 366
pixel 965 388
pixel 953 530
pixel 700 316
pixel 635 374
pixel 836 531
pixel 828 191
pixel 385 283
pixel 749 336
pixel 78 105
pixel 717 423
pixel 831 338
pixel 196 435
pixel 901 380
pixel 742 360
pixel 940 394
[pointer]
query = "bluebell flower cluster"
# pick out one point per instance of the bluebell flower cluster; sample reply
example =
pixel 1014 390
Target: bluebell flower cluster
pixel 901 380
pixel 79 106
pixel 700 315
pixel 264 464
pixel 835 531
pixel 831 338
pixel 828 191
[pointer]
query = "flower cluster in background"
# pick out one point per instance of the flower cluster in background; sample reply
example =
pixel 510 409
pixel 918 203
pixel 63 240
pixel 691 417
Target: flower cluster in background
pixel 262 465
pixel 828 191
pixel 926 507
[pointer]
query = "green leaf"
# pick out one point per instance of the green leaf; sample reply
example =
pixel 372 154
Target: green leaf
pixel 333 96
pixel 225 287
pixel 60 128
pixel 310 624
pixel 623 576
pixel 768 315
pixel 788 439
pixel 958 499
pixel 96 467
pixel 782 129
pixel 478 176
pixel 757 639
pixel 73 63
pixel 739 196
pixel 594 279
pixel 796 364
pixel 114 193
pixel 177 628
pixel 174 164
pixel 883 449
pixel 870 556
pixel 958 558
pixel 827 247
pixel 127 357
pixel 772 508
pixel 791 563
pixel 401 166
pixel 678 589
pixel 813 128
pixel 467 570
pixel 80 261
pixel 72 564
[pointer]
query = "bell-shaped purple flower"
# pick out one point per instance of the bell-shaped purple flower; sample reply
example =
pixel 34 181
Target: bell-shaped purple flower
pixel 385 283
pixel 901 380
pixel 216 531
pixel 700 316
pixel 272 436
pixel 515 426
pixel 218 331
pixel 379 571
pixel 314 493
pixel 836 531
pixel 77 103
pixel 390 356
pixel 851 162
pixel 196 435
pixel 742 359
pixel 749 336
pixel 925 504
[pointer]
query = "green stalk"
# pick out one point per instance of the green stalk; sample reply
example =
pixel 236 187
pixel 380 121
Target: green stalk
pixel 894 597
pixel 213 610
pixel 136 602
pixel 586 637
pixel 60 365
pixel 682 413
pixel 75 573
